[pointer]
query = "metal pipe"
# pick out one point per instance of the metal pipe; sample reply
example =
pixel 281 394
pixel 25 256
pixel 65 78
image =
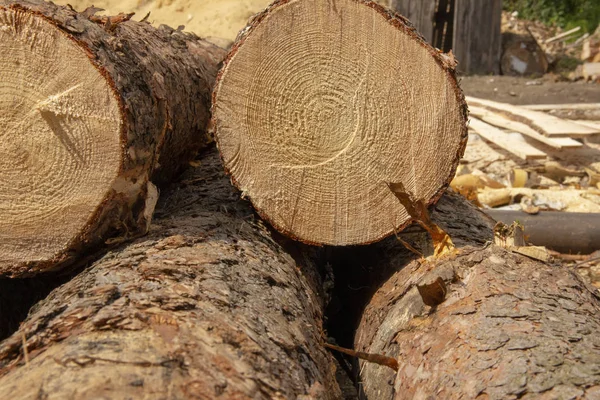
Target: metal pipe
pixel 560 231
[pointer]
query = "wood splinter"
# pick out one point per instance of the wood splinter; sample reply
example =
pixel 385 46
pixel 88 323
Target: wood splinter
pixel 374 358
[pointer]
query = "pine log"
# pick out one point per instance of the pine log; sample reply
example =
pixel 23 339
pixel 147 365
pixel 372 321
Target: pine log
pixel 206 306
pixel 321 105
pixel 93 112
pixel 510 327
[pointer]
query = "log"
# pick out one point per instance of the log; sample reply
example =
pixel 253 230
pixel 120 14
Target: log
pixel 94 110
pixel 207 306
pixel 322 105
pixel 508 327
pixel 565 232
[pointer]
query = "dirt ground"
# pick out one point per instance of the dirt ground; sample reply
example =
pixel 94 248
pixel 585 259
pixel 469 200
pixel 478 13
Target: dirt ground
pixel 515 90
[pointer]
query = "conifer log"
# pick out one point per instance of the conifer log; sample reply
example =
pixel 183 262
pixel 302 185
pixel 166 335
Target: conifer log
pixel 208 305
pixel 93 111
pixel 509 327
pixel 321 105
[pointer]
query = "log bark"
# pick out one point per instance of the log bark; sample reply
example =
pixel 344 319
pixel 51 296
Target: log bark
pixel 206 306
pixel 510 327
pixel 322 105
pixel 94 111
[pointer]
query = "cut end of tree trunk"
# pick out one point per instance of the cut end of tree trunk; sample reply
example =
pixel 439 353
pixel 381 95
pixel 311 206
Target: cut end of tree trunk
pixel 60 144
pixel 93 114
pixel 322 104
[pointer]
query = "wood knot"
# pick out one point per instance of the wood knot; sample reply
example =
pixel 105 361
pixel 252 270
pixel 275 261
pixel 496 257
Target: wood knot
pixel 433 294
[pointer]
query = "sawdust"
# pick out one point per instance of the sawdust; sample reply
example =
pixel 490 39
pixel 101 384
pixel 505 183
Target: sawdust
pixel 212 18
pixel 206 18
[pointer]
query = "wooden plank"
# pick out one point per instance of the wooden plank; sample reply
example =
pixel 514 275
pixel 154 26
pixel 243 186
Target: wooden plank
pixel 419 12
pixel 585 122
pixel 572 106
pixel 449 35
pixel 496 119
pixel 546 124
pixel 512 142
pixel 477 36
pixel 562 35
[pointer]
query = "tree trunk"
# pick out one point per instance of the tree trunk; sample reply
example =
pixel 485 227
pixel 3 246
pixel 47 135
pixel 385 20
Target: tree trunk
pixel 321 106
pixel 510 327
pixel 206 306
pixel 93 110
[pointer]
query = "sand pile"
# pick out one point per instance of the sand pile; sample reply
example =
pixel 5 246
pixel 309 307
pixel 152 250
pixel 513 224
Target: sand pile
pixel 206 18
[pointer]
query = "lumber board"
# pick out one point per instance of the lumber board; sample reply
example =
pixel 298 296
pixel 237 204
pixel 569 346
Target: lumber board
pixel 591 124
pixel 543 123
pixel 563 35
pixel 512 142
pixel 499 120
pixel 569 106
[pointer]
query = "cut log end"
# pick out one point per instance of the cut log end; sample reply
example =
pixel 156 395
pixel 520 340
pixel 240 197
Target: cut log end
pixel 320 105
pixel 60 144
pixel 92 116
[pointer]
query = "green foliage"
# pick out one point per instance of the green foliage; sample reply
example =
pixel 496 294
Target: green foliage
pixel 564 13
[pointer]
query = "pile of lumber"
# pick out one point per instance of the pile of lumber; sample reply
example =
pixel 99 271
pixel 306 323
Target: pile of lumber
pixel 341 126
pixel 526 131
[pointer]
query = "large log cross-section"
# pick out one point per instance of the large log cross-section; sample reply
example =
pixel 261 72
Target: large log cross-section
pixel 92 111
pixel 322 104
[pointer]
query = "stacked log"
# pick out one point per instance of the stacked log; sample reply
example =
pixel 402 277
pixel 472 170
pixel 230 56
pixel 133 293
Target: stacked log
pixel 207 305
pixel 340 124
pixel 95 112
pixel 314 131
pixel 508 327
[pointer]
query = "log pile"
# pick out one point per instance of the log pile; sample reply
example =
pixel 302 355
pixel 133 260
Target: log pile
pixel 341 125
pixel 206 305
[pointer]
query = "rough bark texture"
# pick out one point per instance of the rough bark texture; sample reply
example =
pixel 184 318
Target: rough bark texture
pixel 360 270
pixel 510 327
pixel 206 306
pixel 162 79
